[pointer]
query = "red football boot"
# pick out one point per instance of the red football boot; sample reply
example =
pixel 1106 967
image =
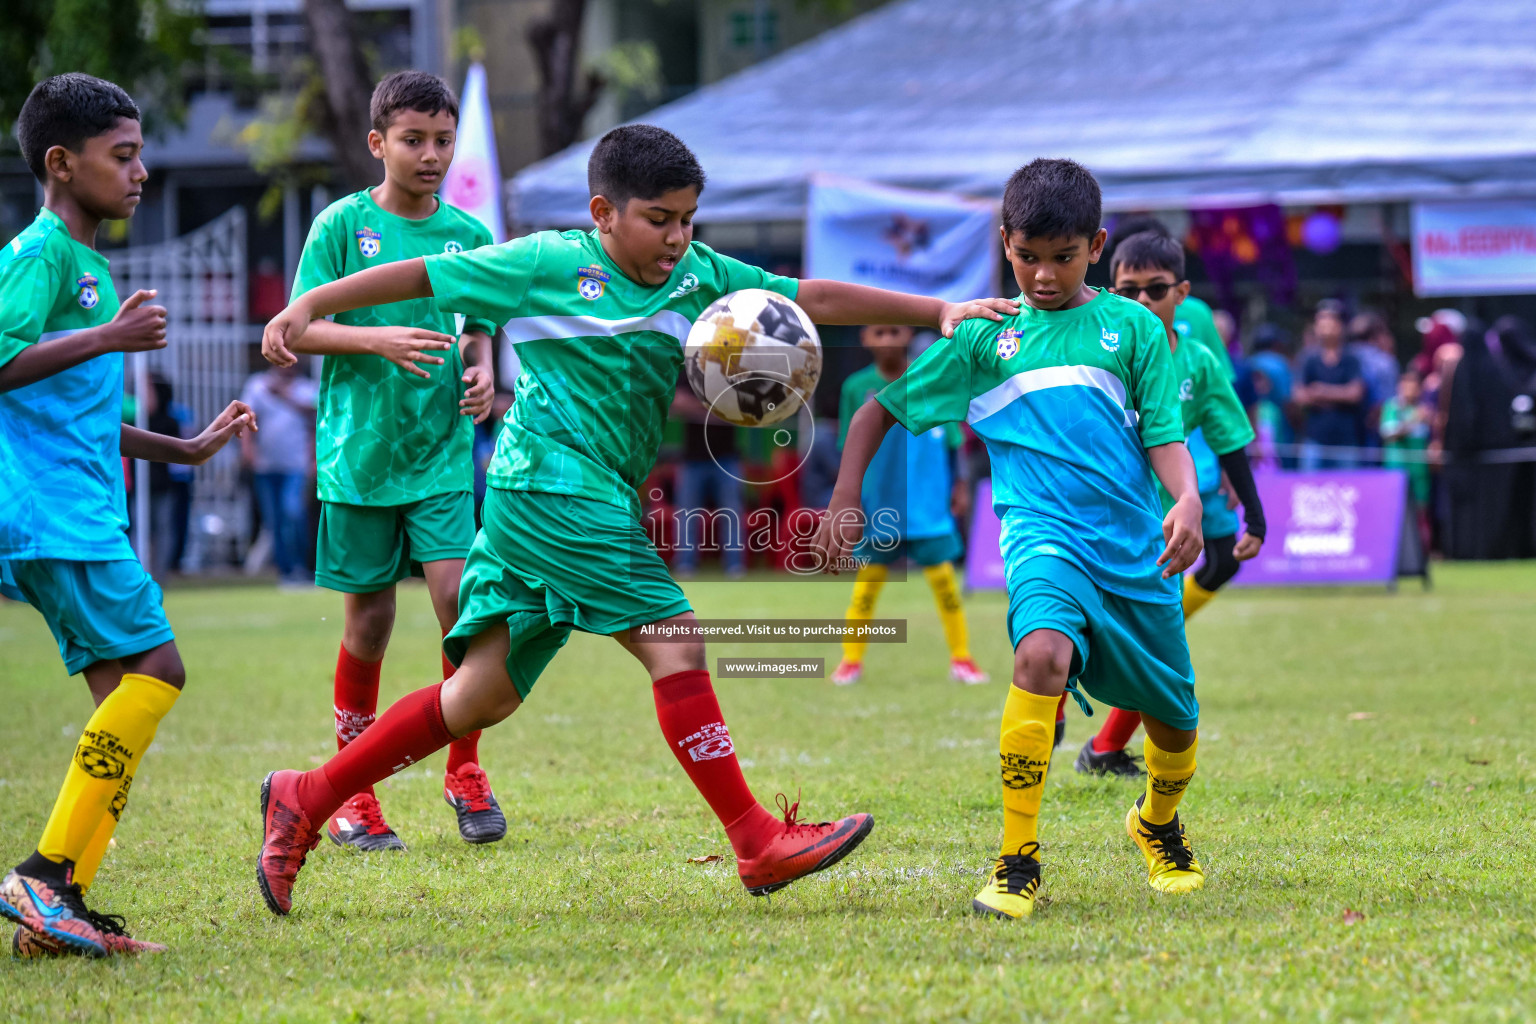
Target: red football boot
pixel 468 792
pixel 287 838
pixel 801 849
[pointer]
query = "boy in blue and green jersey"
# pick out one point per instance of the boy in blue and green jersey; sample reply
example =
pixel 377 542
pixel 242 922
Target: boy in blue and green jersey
pixel 1149 268
pixel 907 498
pixel 63 542
pixel 599 318
pixel 1076 401
pixel 394 431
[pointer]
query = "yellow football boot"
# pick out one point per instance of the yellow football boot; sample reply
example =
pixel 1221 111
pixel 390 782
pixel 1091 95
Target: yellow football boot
pixel 1171 864
pixel 1010 893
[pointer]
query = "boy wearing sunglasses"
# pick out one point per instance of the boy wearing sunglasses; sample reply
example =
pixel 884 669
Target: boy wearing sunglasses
pixel 1149 268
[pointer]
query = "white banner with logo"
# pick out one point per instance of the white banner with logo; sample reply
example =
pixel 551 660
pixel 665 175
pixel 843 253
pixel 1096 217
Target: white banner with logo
pixel 473 183
pixel 928 243
pixel 1475 248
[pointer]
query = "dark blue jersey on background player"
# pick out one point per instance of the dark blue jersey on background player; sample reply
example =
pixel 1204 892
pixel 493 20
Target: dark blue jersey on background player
pixel 63 542
pixel 911 496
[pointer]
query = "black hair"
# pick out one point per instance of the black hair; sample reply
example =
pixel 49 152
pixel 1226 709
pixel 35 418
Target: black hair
pixel 1052 199
pixel 1333 307
pixel 641 161
pixel 1149 250
pixel 65 110
pixel 410 90
pixel 1135 224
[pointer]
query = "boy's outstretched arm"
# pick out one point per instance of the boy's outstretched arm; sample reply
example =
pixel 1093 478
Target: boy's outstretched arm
pixel 837 302
pixel 376 286
pixel 843 524
pixel 1181 526
pixel 236 419
pixel 403 346
pixel 134 328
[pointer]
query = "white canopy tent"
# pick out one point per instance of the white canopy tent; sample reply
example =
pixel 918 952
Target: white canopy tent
pixel 1172 103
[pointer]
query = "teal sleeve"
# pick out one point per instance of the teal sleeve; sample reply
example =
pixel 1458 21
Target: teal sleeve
pixel 321 261
pixel 936 389
pixel 1223 419
pixel 488 283
pixel 1154 395
pixel 481 237
pixel 28 287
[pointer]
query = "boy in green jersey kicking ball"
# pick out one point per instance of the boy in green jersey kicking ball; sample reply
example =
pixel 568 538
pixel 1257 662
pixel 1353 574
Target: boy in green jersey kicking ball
pixel 599 319
pixel 401 387
pixel 63 518
pixel 1076 401
pixel 1217 431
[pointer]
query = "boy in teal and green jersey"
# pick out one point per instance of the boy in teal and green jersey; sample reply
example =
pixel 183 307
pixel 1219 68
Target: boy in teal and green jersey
pixel 599 319
pixel 63 542
pixel 1149 268
pixel 907 497
pixel 394 431
pixel 1076 400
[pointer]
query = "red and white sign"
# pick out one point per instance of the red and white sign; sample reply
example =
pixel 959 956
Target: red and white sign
pixel 1475 248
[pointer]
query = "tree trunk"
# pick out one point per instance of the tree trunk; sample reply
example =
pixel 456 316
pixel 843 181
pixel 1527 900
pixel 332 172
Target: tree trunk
pixel 348 88
pixel 566 93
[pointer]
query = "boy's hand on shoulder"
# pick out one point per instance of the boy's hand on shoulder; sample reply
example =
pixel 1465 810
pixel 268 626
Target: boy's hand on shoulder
pixel 137 327
pixel 407 346
pixel 986 309
pixel 1181 531
pixel 281 331
pixel 236 418
pixel 479 395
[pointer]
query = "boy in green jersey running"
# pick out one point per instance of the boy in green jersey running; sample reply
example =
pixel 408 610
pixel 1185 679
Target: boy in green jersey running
pixel 599 318
pixel 394 433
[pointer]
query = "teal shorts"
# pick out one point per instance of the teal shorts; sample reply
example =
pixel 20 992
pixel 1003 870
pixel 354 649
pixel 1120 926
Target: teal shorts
pixel 1127 654
pixel 367 548
pixel 96 611
pixel 547 564
pixel 923 551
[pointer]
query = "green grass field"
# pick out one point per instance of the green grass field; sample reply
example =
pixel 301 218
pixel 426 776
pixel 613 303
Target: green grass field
pixel 1362 753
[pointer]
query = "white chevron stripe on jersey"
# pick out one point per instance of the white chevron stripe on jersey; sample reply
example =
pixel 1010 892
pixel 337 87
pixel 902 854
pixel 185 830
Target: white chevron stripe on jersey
pixel 1021 384
pixel 542 328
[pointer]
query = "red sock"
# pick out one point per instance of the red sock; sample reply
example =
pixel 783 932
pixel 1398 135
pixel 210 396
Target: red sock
pixel 356 697
pixel 465 749
pixel 1061 709
pixel 410 730
pixel 1116 731
pixel 695 730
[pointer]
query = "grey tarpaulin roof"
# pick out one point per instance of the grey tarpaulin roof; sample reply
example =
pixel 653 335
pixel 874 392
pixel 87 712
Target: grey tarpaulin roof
pixel 1171 102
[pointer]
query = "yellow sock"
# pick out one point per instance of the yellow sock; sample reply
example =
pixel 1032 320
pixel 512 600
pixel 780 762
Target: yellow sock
pixel 861 607
pixel 1195 596
pixel 946 594
pixel 1168 776
pixel 96 785
pixel 1024 749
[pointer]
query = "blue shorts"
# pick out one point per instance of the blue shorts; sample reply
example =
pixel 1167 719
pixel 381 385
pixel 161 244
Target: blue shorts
pixel 96 610
pixel 923 551
pixel 1127 654
pixel 1217 520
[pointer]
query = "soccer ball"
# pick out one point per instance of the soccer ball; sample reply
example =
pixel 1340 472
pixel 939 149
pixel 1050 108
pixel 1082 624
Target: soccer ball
pixel 753 358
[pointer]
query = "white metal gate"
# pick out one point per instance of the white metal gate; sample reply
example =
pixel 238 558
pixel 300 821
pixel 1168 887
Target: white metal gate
pixel 201 281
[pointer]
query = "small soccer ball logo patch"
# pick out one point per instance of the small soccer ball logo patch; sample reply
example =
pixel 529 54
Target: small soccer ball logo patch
pixel 590 282
pixel 89 296
pixel 98 763
pixel 1008 343
pixel 1109 340
pixel 368 243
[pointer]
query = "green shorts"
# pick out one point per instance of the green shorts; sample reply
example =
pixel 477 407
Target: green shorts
pixel 1127 654
pixel 96 610
pixel 366 548
pixel 546 564
pixel 923 551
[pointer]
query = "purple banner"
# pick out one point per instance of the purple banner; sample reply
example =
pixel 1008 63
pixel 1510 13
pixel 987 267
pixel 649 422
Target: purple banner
pixel 984 551
pixel 1331 526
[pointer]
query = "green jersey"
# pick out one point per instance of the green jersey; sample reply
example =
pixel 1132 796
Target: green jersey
pixel 1193 320
pixel 384 436
pixel 1207 401
pixel 600 354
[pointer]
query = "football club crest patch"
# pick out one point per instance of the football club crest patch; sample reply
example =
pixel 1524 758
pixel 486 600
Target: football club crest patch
pixel 590 282
pixel 1109 340
pixel 88 296
pixel 1008 342
pixel 368 243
